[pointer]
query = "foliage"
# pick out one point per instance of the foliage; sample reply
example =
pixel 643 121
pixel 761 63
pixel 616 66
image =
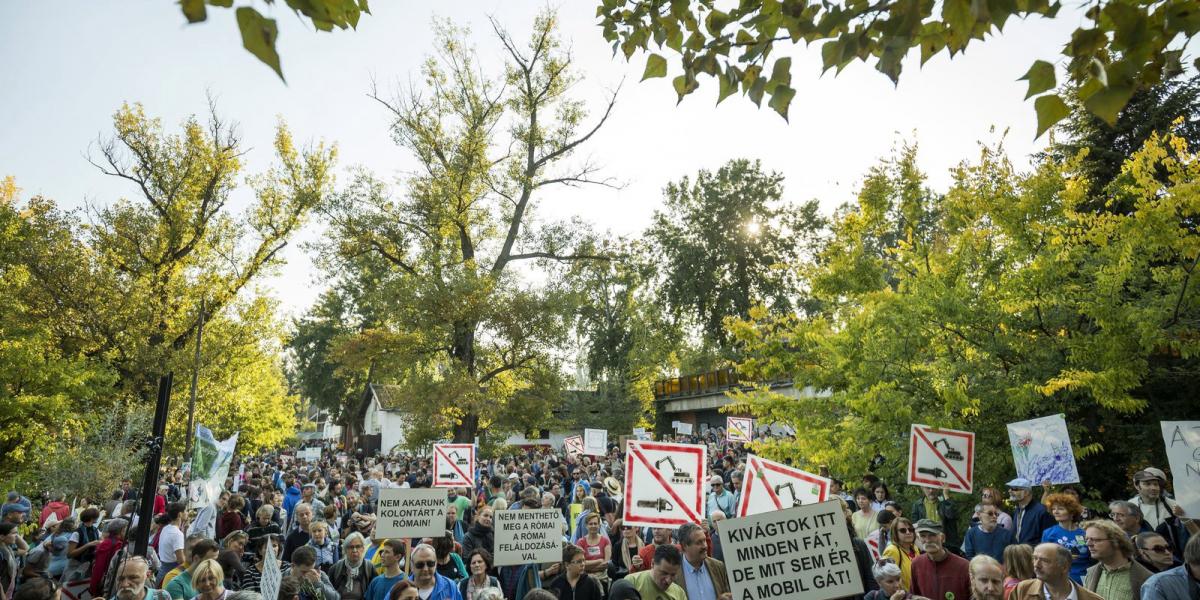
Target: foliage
pixel 1120 46
pixel 259 33
pixel 314 372
pixel 725 240
pixel 998 301
pixel 440 268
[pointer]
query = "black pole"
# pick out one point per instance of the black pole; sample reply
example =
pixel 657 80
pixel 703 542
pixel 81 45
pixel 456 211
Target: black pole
pixel 153 462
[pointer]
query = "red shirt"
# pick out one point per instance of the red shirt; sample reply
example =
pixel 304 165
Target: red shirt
pixel 934 580
pixel 593 551
pixel 105 551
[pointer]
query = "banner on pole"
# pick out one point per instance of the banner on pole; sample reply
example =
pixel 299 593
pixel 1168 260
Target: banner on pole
pixel 454 465
pixel 595 442
pixel 210 467
pixel 941 456
pixel 664 484
pixel 1042 450
pixel 1182 439
pixel 801 553
pixel 525 536
pixel 411 513
pixel 739 429
pixel 769 486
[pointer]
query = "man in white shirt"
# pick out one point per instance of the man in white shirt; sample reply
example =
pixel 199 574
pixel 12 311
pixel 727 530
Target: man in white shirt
pixel 1155 507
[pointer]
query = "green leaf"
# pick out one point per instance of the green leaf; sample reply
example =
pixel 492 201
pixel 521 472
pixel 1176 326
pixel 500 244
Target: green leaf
pixel 656 66
pixel 1108 102
pixel 781 98
pixel 728 84
pixel 715 22
pixel 258 36
pixel 1050 110
pixel 194 10
pixel 222 3
pixel 1085 42
pixel 958 17
pixel 1040 78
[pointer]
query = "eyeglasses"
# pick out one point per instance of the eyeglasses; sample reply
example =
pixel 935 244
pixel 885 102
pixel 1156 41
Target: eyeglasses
pixel 1117 515
pixel 903 530
pixel 1089 541
pixel 424 564
pixel 1159 549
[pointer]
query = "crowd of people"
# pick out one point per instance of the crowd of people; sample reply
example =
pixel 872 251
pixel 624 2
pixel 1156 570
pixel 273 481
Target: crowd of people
pixel 309 526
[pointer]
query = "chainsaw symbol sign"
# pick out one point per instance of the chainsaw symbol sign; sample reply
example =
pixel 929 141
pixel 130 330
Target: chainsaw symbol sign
pixel 941 457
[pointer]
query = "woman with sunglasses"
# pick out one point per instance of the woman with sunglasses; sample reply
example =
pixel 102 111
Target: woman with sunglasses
pixel 574 584
pixel 625 560
pixel 902 549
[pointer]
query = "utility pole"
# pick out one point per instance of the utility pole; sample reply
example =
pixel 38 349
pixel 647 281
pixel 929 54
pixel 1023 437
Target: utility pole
pixel 153 462
pixel 191 426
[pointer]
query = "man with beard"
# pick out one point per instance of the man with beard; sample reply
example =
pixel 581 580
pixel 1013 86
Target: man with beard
pixel 133 582
pixel 938 574
pixel 1115 576
pixel 987 578
pixel 662 536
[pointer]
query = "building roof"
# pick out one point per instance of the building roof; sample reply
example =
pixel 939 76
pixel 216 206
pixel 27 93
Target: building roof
pixel 390 397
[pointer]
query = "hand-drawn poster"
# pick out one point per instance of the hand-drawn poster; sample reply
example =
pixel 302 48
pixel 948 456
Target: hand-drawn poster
pixel 1042 450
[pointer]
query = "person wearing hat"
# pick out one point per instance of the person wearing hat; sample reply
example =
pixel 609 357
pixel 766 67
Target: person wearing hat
pixel 719 498
pixel 1030 519
pixel 939 574
pixel 1156 507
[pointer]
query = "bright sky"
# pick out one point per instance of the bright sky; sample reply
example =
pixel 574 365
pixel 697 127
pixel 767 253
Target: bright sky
pixel 65 69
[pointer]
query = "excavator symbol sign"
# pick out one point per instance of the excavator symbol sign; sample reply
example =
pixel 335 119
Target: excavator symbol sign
pixel 941 457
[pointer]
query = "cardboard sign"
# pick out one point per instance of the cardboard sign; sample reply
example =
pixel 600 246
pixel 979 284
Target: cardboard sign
pixel 1182 439
pixel 683 428
pixel 574 444
pixel 310 454
pixel 941 456
pixel 454 465
pixel 801 553
pixel 664 484
pixel 769 486
pixel 739 429
pixel 1042 450
pixel 527 536
pixel 411 513
pixel 595 442
pixel 640 433
pixel 272 576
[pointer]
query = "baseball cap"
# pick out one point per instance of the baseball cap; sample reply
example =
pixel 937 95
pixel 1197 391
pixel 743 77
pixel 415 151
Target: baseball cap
pixel 715 479
pixel 1150 473
pixel 927 525
pixel 1020 483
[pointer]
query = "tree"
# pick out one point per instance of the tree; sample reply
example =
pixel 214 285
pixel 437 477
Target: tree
pixel 1121 46
pixel 315 372
pixel 474 344
pixel 725 240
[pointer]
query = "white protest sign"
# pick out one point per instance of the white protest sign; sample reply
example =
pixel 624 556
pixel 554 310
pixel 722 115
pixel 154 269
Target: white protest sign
pixel 640 433
pixel 526 536
pixel 410 513
pixel 271 575
pixel 573 444
pixel 801 553
pixel 739 429
pixel 1042 450
pixel 454 465
pixel 1182 439
pixel 769 486
pixel 311 454
pixel 683 428
pixel 941 456
pixel 664 484
pixel 595 442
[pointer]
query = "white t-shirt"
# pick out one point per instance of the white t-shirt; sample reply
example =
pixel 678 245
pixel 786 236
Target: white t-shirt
pixel 170 539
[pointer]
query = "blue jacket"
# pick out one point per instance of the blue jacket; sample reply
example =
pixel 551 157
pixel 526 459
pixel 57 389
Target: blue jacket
pixel 978 541
pixel 1172 584
pixel 291 497
pixel 1031 522
pixel 443 589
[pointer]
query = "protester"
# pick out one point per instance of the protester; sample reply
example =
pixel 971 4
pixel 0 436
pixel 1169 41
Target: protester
pixel 113 542
pixel 1052 568
pixel 180 587
pixel 430 585
pixel 480 563
pixel 1066 532
pixel 701 576
pixel 574 582
pixel 133 581
pixel 1018 566
pixel 390 553
pixel 887 577
pixel 327 550
pixel 300 535
pixel 1030 518
pixel 990 495
pixel 170 548
pixel 1155 553
pixel 938 573
pixel 863 519
pixel 626 559
pixel 251 576
pixel 1179 583
pixel 936 506
pixel 659 580
pixel 313 583
pixel 207 581
pixel 902 549
pixel 987 578
pixel 661 537
pixel 597 549
pixel 1155 507
pixel 480 534
pixel 1115 576
pixel 987 537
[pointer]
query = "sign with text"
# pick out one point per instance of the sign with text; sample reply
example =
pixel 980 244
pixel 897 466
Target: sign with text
pixel 527 536
pixel 272 575
pixel 311 454
pixel 940 457
pixel 595 442
pixel 454 465
pixel 411 513
pixel 683 428
pixel 739 429
pixel 801 553
pixel 1183 454
pixel 640 433
pixel 573 444
pixel 769 486
pixel 664 484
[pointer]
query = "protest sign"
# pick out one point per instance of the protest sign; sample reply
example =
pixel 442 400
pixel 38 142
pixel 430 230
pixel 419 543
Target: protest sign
pixel 664 484
pixel 210 467
pixel 683 428
pixel 739 429
pixel 573 444
pixel 1182 439
pixel 411 513
pixel 941 456
pixel 526 536
pixel 595 442
pixel 640 433
pixel 769 486
pixel 1042 450
pixel 311 454
pixel 801 553
pixel 454 465
pixel 271 574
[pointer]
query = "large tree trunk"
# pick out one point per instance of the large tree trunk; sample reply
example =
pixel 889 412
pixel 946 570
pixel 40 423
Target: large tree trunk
pixel 464 352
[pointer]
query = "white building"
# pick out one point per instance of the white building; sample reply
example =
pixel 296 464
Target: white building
pixel 383 417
